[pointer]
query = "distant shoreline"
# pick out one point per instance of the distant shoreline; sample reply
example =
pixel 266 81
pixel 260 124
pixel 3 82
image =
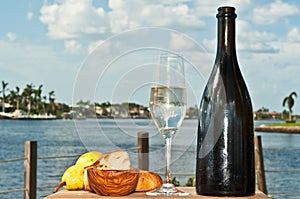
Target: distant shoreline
pixel 278 129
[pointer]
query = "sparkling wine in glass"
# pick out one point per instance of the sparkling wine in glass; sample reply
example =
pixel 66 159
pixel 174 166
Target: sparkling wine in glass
pixel 168 108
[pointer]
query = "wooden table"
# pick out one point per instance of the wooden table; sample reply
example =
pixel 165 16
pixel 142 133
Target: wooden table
pixel 64 194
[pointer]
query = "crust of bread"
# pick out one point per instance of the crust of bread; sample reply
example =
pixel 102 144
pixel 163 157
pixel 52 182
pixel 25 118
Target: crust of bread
pixel 86 183
pixel 117 160
pixel 148 181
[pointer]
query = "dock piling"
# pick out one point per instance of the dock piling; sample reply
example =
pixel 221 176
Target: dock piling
pixel 143 150
pixel 30 167
pixel 259 164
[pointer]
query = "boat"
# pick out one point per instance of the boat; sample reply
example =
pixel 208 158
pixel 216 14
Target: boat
pixel 73 115
pixel 22 115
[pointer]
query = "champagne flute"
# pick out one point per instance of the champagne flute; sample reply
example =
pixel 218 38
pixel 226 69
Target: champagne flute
pixel 168 108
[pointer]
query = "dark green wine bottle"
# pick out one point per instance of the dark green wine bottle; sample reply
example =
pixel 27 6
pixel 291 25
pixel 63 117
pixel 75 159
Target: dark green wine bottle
pixel 225 146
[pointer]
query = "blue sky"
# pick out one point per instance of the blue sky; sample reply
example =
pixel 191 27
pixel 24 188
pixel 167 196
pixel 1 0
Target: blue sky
pixel 54 43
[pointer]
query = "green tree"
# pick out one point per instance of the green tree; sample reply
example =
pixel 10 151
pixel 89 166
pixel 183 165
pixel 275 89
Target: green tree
pixel 44 103
pixel 82 103
pixel 14 98
pixel 17 97
pixel 11 98
pixel 37 98
pixel 51 102
pixel 289 100
pixel 4 89
pixel 27 96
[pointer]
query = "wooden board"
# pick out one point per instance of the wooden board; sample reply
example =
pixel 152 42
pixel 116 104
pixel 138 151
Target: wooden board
pixel 64 194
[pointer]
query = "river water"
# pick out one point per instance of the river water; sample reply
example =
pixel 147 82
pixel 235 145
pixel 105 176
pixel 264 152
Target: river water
pixel 68 137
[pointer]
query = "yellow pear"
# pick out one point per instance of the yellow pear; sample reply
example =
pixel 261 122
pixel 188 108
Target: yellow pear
pixel 89 158
pixel 73 177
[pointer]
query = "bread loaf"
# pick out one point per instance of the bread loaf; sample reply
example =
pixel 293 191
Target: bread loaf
pixel 148 181
pixel 117 160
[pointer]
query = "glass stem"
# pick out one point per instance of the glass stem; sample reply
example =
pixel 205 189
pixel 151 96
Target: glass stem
pixel 168 141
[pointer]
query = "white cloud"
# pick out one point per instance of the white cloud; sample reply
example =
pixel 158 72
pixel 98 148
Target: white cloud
pixel 209 8
pixel 29 16
pixel 72 46
pixel 210 45
pixel 253 40
pixel 69 19
pixel 27 58
pixel 29 63
pixel 131 14
pixel 271 13
pixel 272 76
pixel 293 35
pixel 94 45
pixel 180 42
pixel 248 39
pixel 11 36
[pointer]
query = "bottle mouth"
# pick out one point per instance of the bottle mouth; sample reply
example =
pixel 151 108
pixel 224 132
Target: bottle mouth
pixel 226 11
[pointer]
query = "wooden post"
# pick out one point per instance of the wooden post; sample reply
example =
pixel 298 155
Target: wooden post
pixel 259 164
pixel 143 150
pixel 30 166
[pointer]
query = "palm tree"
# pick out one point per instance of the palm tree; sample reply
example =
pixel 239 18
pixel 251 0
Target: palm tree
pixel 11 98
pixel 290 102
pixel 51 97
pixel 14 97
pixel 18 96
pixel 37 99
pixel 51 101
pixel 27 95
pixel 4 85
pixel 44 104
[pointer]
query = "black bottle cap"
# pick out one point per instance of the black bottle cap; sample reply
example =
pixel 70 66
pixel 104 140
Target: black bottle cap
pixel 226 11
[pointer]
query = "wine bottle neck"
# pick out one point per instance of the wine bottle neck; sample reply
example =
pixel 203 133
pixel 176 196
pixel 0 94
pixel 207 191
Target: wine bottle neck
pixel 226 32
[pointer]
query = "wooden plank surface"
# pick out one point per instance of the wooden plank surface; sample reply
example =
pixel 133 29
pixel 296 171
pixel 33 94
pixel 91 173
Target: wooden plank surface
pixel 64 194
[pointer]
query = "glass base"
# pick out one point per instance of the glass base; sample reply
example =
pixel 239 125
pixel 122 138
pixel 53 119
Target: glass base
pixel 167 189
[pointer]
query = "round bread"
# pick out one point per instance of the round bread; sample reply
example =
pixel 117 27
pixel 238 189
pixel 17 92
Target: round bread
pixel 112 182
pixel 148 181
